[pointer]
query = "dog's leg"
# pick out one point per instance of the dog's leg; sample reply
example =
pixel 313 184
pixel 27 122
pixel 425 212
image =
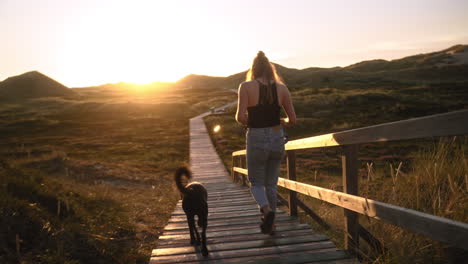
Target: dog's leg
pixel 192 228
pixel 204 224
pixel 196 233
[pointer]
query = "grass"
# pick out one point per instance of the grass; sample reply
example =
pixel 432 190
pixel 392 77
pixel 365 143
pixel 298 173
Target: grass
pixel 435 184
pixel 389 172
pixel 90 179
pixel 49 221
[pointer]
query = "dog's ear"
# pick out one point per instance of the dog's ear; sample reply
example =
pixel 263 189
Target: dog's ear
pixel 182 171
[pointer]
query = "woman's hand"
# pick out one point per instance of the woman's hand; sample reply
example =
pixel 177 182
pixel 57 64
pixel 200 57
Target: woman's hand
pixel 241 113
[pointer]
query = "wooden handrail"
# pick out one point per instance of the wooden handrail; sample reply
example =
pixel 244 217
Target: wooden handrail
pixel 437 228
pixel 240 170
pixel 448 124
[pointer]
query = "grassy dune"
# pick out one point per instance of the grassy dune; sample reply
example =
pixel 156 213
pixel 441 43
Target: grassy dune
pixel 428 175
pixel 89 179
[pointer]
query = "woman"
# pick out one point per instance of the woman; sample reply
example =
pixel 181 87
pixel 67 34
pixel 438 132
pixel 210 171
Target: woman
pixel 261 98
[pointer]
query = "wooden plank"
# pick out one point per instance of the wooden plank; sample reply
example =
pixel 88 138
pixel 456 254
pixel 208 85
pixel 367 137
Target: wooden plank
pixel 437 228
pixel 229 192
pixel 336 261
pixel 319 255
pixel 210 181
pixel 242 221
pixel 225 193
pixel 240 202
pixel 210 221
pixel 228 196
pixel 233 232
pixel 350 186
pixel 274 255
pixel 236 202
pixel 242 245
pixel 221 185
pixel 287 231
pixel 227 214
pixel 218 228
pixel 217 217
pixel 239 152
pixel 246 252
pixel 447 124
pixel 179 219
pixel 226 208
pixel 182 231
pixel 239 238
pixel 240 170
pixel 224 203
pixel 212 213
pixel 243 252
pixel 230 200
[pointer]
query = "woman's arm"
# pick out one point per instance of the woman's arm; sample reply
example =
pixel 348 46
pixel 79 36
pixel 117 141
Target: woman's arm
pixel 288 108
pixel 241 114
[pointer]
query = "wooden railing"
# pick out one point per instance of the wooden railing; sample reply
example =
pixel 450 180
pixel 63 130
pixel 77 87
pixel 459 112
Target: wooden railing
pixel 438 228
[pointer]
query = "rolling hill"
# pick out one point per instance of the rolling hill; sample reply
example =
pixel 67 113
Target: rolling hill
pixel 32 85
pixel 446 66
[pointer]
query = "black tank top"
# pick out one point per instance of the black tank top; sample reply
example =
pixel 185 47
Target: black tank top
pixel 264 114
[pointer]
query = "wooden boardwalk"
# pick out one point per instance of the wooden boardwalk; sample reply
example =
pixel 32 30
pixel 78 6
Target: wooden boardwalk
pixel 233 233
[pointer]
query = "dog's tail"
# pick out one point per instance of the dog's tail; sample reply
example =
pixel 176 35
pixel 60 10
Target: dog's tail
pixel 178 177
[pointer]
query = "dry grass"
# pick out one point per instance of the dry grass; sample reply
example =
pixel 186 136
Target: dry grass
pixel 110 149
pixel 434 183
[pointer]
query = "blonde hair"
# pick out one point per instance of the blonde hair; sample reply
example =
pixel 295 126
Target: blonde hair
pixel 263 68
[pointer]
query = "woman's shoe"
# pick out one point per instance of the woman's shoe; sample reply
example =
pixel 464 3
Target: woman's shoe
pixel 273 230
pixel 267 223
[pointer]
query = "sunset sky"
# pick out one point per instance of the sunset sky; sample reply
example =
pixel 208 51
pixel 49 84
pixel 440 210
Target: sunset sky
pixel 92 42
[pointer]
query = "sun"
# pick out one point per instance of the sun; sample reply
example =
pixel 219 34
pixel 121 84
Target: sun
pixel 142 48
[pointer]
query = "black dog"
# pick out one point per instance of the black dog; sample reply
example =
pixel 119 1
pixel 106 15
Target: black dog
pixel 194 202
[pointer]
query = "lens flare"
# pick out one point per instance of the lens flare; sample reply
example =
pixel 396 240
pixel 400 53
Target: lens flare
pixel 216 128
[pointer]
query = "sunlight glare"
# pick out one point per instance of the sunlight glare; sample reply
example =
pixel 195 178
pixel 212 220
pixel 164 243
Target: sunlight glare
pixel 142 48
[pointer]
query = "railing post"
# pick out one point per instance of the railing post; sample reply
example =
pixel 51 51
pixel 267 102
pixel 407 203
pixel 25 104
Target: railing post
pixel 236 174
pixel 242 165
pixel 291 162
pixel 232 168
pixel 350 186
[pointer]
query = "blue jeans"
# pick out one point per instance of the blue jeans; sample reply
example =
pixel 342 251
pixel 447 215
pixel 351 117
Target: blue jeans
pixel 265 149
